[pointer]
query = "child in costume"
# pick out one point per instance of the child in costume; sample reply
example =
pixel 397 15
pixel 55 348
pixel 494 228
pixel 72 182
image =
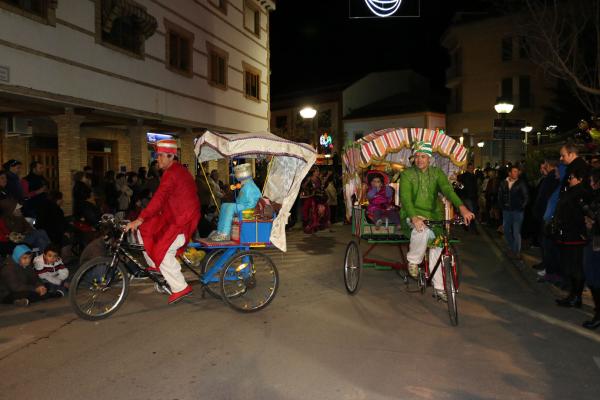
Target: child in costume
pixel 246 200
pixel 381 200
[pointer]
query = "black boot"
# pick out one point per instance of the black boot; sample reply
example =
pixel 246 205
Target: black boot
pixel 592 323
pixel 570 301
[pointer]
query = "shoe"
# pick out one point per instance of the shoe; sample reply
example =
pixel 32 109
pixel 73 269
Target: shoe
pixel 441 295
pixel 21 302
pixel 413 270
pixel 177 296
pixel 593 323
pixel 539 266
pixel 60 292
pixel 569 302
pixel 541 273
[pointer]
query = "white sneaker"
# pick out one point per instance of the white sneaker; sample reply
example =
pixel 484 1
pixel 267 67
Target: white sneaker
pixel 413 270
pixel 542 273
pixel 441 295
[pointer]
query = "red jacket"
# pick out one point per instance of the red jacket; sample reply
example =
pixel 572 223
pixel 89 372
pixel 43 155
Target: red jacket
pixel 173 210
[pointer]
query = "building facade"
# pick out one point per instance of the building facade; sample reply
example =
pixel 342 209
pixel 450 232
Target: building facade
pixel 489 61
pixel 88 79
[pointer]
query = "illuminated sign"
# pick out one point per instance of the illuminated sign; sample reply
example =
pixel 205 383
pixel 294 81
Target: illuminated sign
pixel 384 8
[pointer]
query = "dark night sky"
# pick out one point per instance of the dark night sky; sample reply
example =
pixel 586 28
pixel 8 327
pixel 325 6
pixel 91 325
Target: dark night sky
pixel 314 43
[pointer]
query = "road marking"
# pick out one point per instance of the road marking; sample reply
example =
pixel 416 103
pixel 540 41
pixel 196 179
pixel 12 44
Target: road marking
pixel 559 323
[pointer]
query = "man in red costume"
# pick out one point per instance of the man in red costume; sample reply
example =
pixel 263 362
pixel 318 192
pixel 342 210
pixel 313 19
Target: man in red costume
pixel 169 220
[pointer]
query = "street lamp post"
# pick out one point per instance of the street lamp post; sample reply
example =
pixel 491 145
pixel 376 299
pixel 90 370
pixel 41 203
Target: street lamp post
pixel 308 113
pixel 527 129
pixel 503 107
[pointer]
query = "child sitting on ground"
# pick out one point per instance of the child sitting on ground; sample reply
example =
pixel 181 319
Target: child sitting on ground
pixel 51 270
pixel 381 200
pixel 20 278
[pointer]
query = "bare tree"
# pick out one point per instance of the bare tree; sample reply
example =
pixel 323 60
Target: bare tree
pixel 563 38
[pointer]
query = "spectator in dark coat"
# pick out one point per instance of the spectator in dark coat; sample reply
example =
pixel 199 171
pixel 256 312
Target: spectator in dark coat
pixel 513 196
pixel 547 186
pixel 51 218
pixel 570 233
pixel 591 255
pixel 35 188
pixel 14 188
pixel 81 191
pixel 20 278
pixel 569 155
pixel 469 192
pixel 111 194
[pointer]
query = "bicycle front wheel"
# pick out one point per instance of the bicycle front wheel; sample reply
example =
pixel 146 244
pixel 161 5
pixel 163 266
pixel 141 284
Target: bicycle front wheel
pixel 249 281
pixel 352 268
pixel 450 290
pixel 98 288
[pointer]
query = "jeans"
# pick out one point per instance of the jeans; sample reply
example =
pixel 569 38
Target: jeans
pixel 37 238
pixel 512 222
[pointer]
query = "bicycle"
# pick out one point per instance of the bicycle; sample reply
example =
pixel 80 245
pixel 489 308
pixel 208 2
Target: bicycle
pixel 245 279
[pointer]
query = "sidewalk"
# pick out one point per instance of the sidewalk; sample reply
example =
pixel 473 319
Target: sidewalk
pixel 530 257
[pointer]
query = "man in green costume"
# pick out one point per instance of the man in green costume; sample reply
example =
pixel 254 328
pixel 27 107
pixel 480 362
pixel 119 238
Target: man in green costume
pixel 419 188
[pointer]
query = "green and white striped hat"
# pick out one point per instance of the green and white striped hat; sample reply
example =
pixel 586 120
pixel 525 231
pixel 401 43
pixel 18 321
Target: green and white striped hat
pixel 423 147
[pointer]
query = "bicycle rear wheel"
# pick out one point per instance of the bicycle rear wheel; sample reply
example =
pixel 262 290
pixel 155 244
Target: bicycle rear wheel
pixel 450 290
pixel 98 288
pixel 214 286
pixel 249 281
pixel 352 268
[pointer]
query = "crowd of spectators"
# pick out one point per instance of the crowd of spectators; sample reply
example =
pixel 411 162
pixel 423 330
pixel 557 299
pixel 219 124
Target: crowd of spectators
pixel 35 234
pixel 557 211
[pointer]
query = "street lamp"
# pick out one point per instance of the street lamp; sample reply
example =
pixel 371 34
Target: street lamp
pixel 308 113
pixel 503 107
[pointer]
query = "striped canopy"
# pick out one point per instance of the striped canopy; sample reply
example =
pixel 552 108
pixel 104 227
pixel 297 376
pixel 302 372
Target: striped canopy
pixel 378 145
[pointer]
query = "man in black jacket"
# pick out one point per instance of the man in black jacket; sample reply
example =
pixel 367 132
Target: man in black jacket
pixel 35 187
pixel 569 155
pixel 513 196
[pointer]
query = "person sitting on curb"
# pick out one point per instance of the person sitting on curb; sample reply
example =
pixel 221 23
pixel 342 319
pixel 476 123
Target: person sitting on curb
pixel 23 284
pixel 419 188
pixel 51 270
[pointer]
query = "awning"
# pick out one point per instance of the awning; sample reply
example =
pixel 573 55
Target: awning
pixel 113 9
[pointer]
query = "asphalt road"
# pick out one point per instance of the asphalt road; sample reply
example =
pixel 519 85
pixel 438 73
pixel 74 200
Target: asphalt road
pixel 314 341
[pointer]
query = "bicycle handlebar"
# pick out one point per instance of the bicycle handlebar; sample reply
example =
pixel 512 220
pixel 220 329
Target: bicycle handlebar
pixel 455 221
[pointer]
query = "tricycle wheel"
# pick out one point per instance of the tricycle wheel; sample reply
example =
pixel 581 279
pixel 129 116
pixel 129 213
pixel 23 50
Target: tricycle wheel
pixel 249 281
pixel 352 268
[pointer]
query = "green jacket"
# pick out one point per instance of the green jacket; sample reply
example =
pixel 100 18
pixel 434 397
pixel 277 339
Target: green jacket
pixel 419 194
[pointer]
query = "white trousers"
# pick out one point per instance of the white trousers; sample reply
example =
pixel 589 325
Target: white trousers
pixel 170 267
pixel 416 253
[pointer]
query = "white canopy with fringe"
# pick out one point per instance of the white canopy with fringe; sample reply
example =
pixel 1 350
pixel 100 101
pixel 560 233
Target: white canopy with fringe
pixel 290 163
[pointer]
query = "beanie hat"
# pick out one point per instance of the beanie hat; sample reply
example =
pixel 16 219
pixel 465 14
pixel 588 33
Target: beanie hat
pixel 19 251
pixel 423 147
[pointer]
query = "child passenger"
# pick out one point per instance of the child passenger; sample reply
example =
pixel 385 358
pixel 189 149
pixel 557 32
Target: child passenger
pixel 381 200
pixel 51 270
